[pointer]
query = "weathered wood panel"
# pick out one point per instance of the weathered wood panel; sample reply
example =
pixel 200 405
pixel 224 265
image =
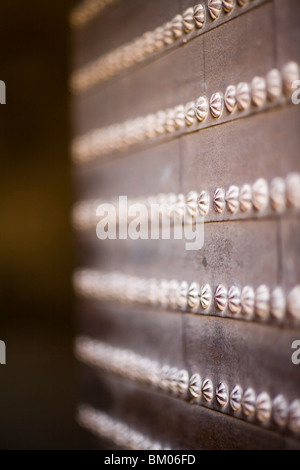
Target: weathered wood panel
pixel 245 250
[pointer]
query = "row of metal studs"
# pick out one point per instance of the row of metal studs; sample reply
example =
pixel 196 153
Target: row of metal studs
pixel 183 118
pixel 106 427
pixel 87 10
pixel 262 303
pixel 280 195
pixel 244 404
pixel 177 31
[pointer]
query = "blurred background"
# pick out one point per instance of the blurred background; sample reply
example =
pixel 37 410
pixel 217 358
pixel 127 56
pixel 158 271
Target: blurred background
pixel 38 383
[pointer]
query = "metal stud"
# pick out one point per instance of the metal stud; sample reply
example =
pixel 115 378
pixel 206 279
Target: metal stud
pixel 207 390
pixel 214 8
pixel 222 394
pixel 248 402
pixel 263 407
pixel 221 297
pixel 262 301
pixel 236 398
pixel 219 200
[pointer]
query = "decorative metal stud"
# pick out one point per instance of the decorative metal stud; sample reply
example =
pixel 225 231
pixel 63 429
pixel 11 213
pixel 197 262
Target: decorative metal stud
pixel 152 295
pixel 221 297
pixel 154 446
pixel 154 373
pixel 259 91
pixel 293 190
pixel 201 108
pixel 205 296
pixel 163 374
pixel 234 299
pixel 203 203
pixel 182 294
pixel 172 379
pixel 230 98
pixel 293 303
pixel 193 298
pixel 177 26
pixel 149 126
pixel 168 34
pixel 161 200
pixel 278 194
pixel 280 411
pixel 207 390
pixel 290 74
pixel 263 407
pixel 246 198
pixel 160 120
pixel 262 301
pixel 243 96
pixel 190 115
pixel 149 45
pixel 122 435
pixel 170 121
pixel 216 105
pixel 278 303
pixel 236 398
pixel 188 20
pixel 171 200
pixel 219 200
pixel 159 38
pixel 182 381
pixel 163 290
pixel 199 15
pixel 172 292
pixel 274 84
pixel 180 206
pixel 248 402
pixel 192 203
pixel 222 394
pixel 214 8
pixel 232 199
pixel 179 117
pixel 294 417
pixel 195 386
pixel 260 194
pixel 228 5
pixel 146 367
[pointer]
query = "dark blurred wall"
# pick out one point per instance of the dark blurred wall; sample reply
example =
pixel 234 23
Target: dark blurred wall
pixel 38 384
